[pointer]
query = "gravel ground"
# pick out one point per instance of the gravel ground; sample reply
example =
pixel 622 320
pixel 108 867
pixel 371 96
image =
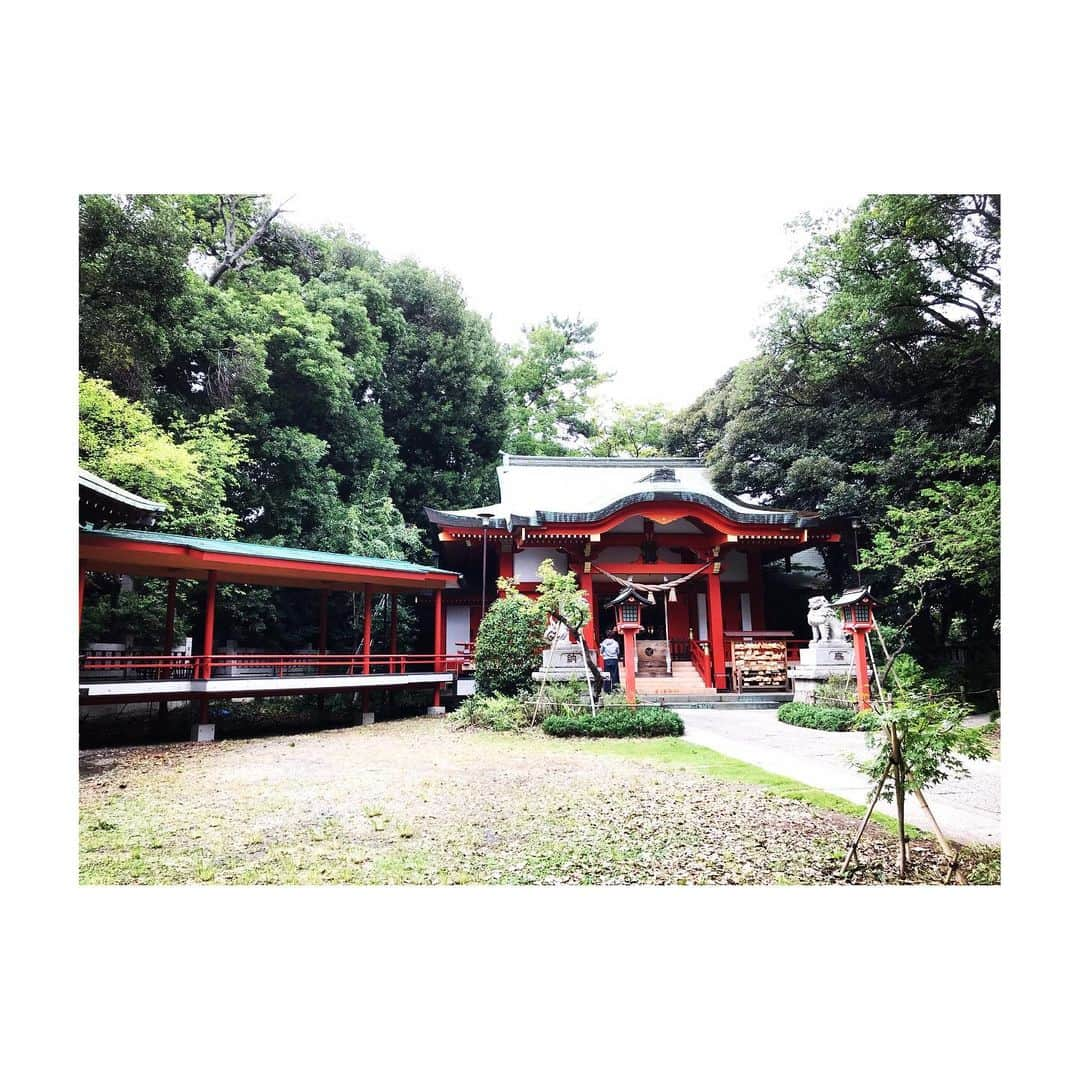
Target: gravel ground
pixel 413 802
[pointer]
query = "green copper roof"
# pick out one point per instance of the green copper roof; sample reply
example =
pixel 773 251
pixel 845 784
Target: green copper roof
pixel 269 551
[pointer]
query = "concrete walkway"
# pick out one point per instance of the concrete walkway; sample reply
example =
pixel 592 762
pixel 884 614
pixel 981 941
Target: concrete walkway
pixel 968 809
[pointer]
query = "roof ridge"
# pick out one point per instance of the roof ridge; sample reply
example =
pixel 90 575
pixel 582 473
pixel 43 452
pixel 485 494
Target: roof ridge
pixel 618 462
pixel 265 550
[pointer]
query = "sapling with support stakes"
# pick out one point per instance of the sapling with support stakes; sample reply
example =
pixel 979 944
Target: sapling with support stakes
pixel 920 743
pixel 560 598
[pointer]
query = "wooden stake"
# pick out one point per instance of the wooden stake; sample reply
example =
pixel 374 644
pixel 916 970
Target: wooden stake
pixel 951 853
pixel 865 821
pixel 898 777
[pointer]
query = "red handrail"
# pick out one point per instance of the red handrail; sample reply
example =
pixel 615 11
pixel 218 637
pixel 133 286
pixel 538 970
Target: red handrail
pixel 699 657
pixel 221 665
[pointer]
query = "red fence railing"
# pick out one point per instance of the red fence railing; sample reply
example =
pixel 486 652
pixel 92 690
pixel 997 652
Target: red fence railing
pixel 268 665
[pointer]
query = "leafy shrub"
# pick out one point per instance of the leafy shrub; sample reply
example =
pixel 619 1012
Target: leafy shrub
pixel 496 712
pixel 508 644
pixel 823 718
pixel 837 692
pixel 614 722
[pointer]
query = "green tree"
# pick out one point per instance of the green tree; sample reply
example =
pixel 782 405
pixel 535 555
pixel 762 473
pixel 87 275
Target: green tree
pixel 133 280
pixel 442 394
pixel 877 380
pixel 508 643
pixel 551 380
pixel 631 431
pixel 189 467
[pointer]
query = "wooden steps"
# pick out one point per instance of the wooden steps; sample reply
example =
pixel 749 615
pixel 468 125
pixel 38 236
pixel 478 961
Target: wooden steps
pixel 685 689
pixel 683 680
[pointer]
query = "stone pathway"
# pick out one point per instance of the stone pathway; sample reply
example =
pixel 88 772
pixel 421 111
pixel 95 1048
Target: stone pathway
pixel 968 809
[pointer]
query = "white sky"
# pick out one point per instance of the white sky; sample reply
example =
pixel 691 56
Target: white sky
pixel 676 275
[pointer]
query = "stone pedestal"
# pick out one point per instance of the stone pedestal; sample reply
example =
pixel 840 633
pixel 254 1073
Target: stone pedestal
pixel 564 662
pixel 817 662
pixel 367 718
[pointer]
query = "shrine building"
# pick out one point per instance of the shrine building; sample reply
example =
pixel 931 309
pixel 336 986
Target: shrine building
pixel 734 566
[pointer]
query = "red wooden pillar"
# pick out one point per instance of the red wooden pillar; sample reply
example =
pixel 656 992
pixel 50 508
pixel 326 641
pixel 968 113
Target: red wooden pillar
pixel 862 674
pixel 170 616
pixel 393 628
pixel 506 563
pixel 365 697
pixel 320 669
pixel 170 628
pixel 208 626
pixel 367 630
pixel 716 630
pixel 757 590
pixel 629 656
pixel 208 646
pixel 324 595
pixel 589 629
pixel 82 591
pixel 440 643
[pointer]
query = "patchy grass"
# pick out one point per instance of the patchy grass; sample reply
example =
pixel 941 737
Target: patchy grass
pixel 416 803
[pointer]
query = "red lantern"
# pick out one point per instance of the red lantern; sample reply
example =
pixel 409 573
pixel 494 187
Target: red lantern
pixel 627 607
pixel 858 608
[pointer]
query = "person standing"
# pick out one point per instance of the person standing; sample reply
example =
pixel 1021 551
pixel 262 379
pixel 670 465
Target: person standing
pixel 609 653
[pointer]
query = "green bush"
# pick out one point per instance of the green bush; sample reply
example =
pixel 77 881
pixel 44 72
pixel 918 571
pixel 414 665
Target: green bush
pixel 557 697
pixel 823 718
pixel 614 722
pixel 496 712
pixel 508 645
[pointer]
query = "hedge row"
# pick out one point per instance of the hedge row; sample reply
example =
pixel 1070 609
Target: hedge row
pixel 823 718
pixel 615 722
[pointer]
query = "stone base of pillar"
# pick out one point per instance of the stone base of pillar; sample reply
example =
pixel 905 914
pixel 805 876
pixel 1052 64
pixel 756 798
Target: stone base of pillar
pixel 367 718
pixel 436 710
pixel 203 732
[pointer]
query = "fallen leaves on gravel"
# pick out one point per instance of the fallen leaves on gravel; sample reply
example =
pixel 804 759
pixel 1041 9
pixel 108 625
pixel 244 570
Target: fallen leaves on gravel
pixel 413 802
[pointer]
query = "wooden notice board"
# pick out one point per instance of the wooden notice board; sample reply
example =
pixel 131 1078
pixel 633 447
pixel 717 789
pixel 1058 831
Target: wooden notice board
pixel 759 665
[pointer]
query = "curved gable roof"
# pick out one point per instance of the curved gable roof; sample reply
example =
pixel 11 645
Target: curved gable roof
pixel 539 490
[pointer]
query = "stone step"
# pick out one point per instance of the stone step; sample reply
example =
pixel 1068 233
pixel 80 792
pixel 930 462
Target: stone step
pixel 715 700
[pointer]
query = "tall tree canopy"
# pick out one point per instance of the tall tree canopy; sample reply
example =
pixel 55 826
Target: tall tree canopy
pixel 631 431
pixel 307 391
pixel 551 380
pixel 876 394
